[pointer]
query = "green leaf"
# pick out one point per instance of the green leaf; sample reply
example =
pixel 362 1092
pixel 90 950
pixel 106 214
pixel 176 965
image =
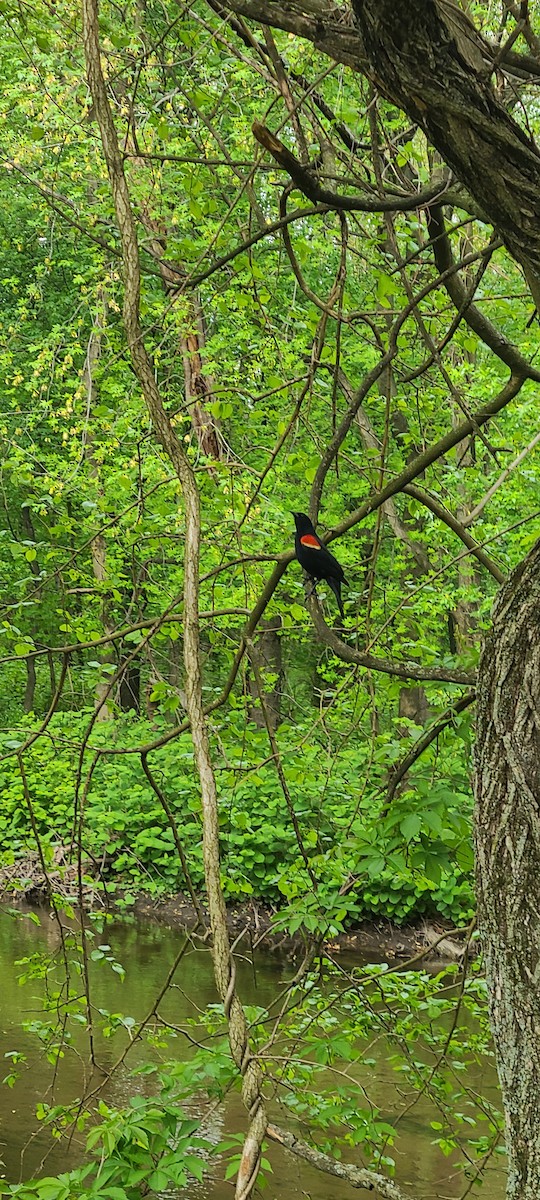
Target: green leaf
pixel 410 826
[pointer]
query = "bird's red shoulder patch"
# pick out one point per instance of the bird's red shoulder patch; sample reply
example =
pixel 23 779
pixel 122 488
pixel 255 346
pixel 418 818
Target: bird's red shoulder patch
pixel 310 540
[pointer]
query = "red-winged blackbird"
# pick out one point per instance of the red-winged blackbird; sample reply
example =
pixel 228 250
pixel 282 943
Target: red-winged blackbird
pixel 316 560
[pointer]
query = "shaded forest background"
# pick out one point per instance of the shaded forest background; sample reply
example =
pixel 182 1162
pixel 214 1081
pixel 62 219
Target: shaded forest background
pixel 238 280
pixel 307 358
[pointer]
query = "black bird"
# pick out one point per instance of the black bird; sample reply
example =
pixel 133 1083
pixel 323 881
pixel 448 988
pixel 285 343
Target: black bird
pixel 316 560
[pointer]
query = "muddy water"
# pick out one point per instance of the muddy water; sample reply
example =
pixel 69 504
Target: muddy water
pixel 146 951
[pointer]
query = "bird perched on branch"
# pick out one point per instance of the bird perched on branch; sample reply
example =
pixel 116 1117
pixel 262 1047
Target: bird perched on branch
pixel 316 560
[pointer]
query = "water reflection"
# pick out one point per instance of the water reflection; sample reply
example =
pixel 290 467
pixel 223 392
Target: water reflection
pixel 147 951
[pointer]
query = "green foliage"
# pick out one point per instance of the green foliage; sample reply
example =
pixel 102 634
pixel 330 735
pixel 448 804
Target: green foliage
pixel 410 1012
pixel 432 1029
pixel 91 513
pixel 413 859
pixel 273 338
pixel 149 1145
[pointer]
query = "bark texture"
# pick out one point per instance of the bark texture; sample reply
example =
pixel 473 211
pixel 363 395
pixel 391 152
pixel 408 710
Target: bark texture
pixel 98 547
pixel 330 28
pixel 429 59
pixel 266 653
pixel 199 387
pixel 224 966
pixel 427 56
pixel 508 859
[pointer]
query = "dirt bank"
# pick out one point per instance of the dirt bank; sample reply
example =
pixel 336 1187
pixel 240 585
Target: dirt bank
pixel 249 923
pixel 374 941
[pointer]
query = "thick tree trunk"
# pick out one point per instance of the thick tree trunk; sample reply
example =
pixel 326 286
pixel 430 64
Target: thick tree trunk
pixel 508 860
pixel 428 57
pixel 129 688
pixel 413 706
pixel 199 386
pixel 30 689
pixel 267 654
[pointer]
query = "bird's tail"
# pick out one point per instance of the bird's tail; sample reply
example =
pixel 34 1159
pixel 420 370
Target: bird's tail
pixel 336 588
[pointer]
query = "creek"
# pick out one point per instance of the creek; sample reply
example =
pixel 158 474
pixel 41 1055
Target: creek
pixel 146 951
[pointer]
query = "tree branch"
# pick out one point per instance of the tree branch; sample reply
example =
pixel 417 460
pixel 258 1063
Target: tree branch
pixel 339 38
pixel 359 658
pixel 224 967
pixel 470 313
pixel 449 519
pixel 358 1177
pixel 306 180
pixel 429 456
pixel 456 106
pixel 401 768
pixel 479 508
